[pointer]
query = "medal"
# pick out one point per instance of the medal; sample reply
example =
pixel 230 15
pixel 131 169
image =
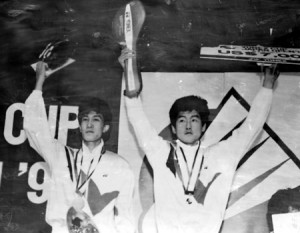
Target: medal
pixel 79 221
pixel 189 199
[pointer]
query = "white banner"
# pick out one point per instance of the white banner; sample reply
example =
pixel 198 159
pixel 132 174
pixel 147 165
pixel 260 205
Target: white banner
pixel 258 54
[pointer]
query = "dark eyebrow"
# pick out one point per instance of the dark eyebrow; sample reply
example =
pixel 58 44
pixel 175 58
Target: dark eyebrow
pixel 99 115
pixel 179 116
pixel 196 115
pixel 96 115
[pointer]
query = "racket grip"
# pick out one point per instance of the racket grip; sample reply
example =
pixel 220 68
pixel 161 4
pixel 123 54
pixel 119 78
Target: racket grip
pixel 133 80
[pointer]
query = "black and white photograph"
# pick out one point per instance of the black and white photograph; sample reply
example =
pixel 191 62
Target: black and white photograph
pixel 149 116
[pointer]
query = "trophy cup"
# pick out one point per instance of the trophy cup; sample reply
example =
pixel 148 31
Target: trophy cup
pixel 56 55
pixel 126 26
pixel 77 220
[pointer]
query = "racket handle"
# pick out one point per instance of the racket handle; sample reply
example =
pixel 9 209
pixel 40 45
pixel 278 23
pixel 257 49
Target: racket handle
pixel 133 80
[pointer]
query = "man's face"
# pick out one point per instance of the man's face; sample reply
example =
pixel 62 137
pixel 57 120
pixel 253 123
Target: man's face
pixel 188 127
pixel 92 127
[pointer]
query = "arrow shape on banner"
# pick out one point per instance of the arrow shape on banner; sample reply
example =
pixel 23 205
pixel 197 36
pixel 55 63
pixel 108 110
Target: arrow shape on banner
pixel 242 191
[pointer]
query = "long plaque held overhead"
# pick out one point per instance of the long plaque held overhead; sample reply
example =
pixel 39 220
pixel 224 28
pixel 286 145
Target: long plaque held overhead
pixel 258 54
pixel 126 26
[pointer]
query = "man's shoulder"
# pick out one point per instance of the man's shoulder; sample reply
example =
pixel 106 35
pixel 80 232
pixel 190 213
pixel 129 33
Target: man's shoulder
pixel 115 159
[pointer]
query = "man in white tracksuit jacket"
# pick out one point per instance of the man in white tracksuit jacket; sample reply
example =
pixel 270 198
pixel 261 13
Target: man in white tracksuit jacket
pixel 192 183
pixel 90 179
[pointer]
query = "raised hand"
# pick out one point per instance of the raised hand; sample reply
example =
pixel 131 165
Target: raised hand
pixel 271 74
pixel 41 74
pixel 125 55
pixel 133 80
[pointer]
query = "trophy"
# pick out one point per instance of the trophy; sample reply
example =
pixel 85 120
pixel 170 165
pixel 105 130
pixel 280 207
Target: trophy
pixel 126 26
pixel 77 220
pixel 56 55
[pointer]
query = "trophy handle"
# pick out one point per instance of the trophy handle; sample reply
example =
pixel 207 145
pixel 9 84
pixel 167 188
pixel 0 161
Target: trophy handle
pixel 133 80
pixel 127 25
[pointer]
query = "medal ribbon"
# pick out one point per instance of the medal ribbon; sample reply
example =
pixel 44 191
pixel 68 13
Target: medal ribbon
pixel 189 177
pixel 81 186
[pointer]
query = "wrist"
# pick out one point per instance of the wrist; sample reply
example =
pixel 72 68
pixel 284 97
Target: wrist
pixel 268 84
pixel 39 85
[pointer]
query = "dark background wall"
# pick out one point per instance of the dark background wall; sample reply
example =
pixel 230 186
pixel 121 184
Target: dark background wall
pixel 170 40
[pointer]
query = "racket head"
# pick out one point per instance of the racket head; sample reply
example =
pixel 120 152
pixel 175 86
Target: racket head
pixel 138 17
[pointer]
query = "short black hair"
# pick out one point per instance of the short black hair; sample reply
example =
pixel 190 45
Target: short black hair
pixel 189 103
pixel 280 202
pixel 88 104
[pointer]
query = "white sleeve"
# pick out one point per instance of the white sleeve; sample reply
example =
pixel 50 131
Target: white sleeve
pixel 37 128
pixel 153 145
pixel 243 137
pixel 125 219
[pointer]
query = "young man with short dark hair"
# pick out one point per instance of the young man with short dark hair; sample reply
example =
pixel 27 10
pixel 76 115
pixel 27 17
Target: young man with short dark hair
pixel 89 185
pixel 191 182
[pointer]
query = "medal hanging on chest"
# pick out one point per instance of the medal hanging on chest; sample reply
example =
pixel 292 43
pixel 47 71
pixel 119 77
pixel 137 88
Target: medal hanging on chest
pixel 79 221
pixel 188 176
pixel 190 199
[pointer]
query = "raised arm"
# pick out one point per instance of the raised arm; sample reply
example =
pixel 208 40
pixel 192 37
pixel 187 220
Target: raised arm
pixel 35 119
pixel 147 136
pixel 242 138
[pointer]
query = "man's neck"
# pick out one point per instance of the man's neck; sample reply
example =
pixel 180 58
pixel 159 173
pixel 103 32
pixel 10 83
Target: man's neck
pixel 188 145
pixel 189 152
pixel 92 145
